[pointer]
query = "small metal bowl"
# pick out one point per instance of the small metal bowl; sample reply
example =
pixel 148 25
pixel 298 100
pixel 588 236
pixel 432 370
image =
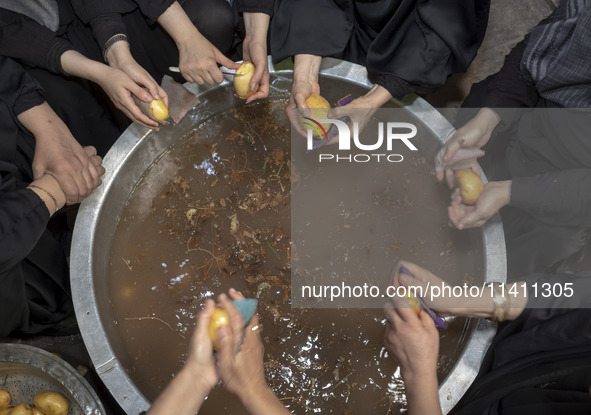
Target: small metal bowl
pixel 27 370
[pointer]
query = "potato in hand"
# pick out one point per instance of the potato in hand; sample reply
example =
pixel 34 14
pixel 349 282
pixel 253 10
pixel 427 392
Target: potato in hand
pixel 470 185
pixel 242 83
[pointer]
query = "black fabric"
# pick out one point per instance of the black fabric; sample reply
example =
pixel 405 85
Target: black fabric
pixel 537 364
pixel 34 280
pixel 557 57
pixel 29 42
pixel 152 9
pixel 255 6
pixel 87 111
pixel 420 42
pixel 150 45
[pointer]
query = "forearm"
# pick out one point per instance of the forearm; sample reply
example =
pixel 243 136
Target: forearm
pixel 376 97
pixel 178 25
pixel 256 26
pixel 422 393
pixel 483 306
pixel 183 395
pixel 118 55
pixel 263 402
pixel 306 67
pixel 79 65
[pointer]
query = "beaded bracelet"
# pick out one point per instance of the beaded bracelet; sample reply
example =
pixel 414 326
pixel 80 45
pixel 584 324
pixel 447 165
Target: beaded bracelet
pixel 34 186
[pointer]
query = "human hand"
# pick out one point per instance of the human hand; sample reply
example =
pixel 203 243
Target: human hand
pixel 422 278
pixel 472 136
pixel 198 59
pixel 413 339
pixel 119 56
pixel 359 112
pixel 494 196
pixel 76 169
pixel 200 360
pixel 257 54
pixel 254 49
pixel 120 87
pixel 240 352
pixel 305 83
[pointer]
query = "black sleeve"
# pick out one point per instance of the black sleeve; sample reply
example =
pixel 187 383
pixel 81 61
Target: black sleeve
pixel 315 27
pixel 27 41
pixel 153 9
pixel 18 91
pixel 104 17
pixel 558 198
pixel 508 88
pixel 425 41
pixel 255 6
pixel 23 218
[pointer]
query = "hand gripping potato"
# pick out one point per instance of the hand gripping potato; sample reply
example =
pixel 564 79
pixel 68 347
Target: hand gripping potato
pixel 319 108
pixel 470 185
pixel 242 83
pixel 51 403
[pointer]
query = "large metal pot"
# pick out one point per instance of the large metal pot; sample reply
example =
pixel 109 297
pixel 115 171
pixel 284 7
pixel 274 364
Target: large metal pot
pixel 127 161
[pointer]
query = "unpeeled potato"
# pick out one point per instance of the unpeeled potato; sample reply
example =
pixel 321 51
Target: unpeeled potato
pixel 51 403
pixel 219 318
pixel 242 83
pixel 36 411
pixel 319 108
pixel 470 185
pixel 4 398
pixel 21 409
pixel 158 109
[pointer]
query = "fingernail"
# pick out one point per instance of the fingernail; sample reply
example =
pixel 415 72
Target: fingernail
pixel 404 270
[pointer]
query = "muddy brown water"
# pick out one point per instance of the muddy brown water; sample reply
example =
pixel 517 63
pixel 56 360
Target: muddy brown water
pixel 213 212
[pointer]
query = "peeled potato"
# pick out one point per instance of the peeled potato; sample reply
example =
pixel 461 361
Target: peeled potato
pixel 470 185
pixel 4 398
pixel 51 403
pixel 158 109
pixel 219 318
pixel 414 303
pixel 242 83
pixel 319 108
pixel 21 409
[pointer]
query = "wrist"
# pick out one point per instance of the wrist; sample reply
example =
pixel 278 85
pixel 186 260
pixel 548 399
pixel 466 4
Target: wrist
pixel 254 393
pixel 186 38
pixel 306 68
pixel 504 188
pixel 376 97
pixel 118 53
pixel 193 374
pixel 490 118
pixel 50 192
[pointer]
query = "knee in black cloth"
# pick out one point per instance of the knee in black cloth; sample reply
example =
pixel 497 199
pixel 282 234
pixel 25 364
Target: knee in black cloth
pixel 214 19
